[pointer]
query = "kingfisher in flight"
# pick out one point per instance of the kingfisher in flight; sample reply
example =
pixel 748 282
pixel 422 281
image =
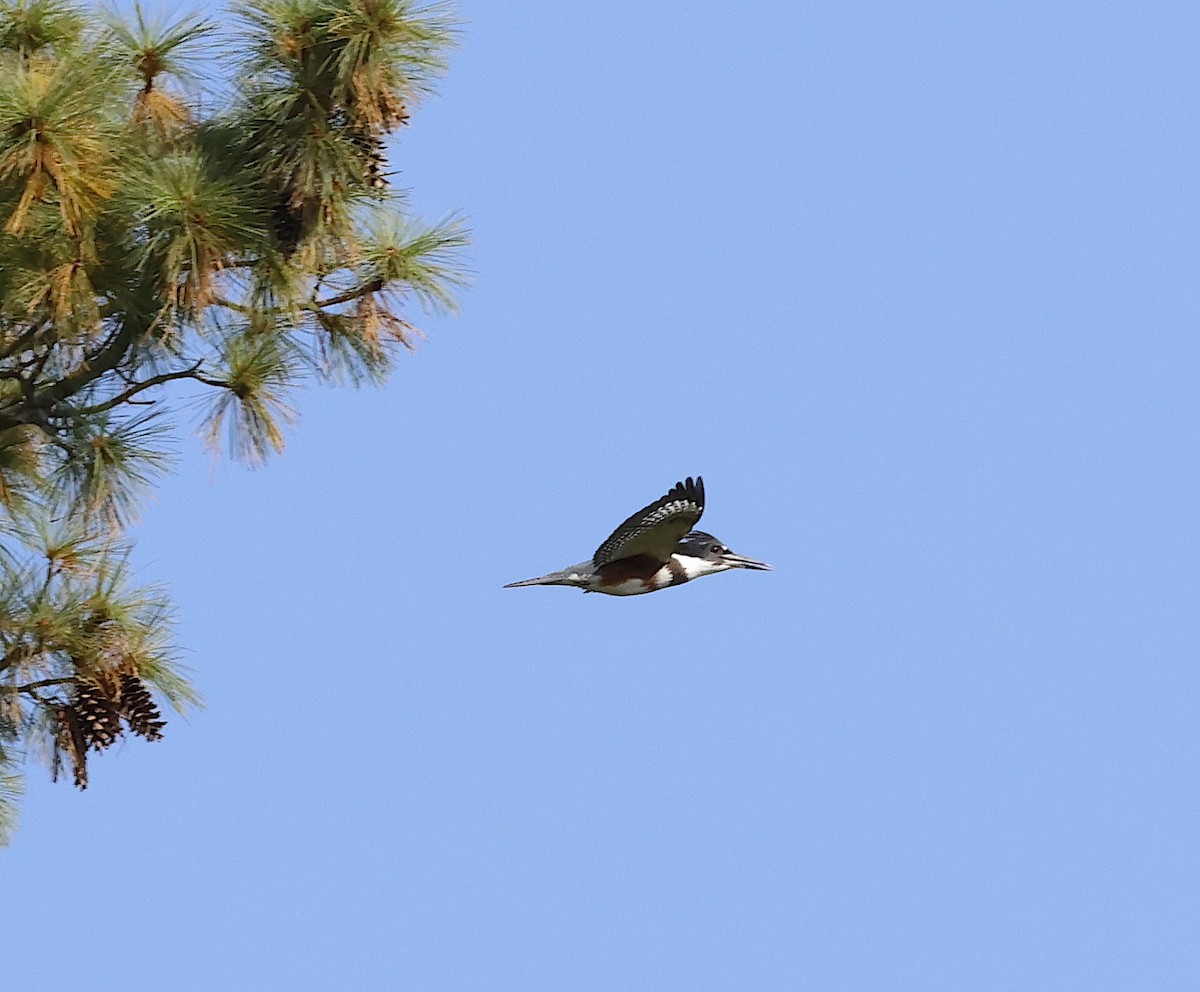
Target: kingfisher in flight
pixel 653 549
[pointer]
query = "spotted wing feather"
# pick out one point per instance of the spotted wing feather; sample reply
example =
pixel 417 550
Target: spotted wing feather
pixel 655 530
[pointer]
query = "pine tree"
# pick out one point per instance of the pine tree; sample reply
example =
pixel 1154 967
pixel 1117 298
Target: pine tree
pixel 153 248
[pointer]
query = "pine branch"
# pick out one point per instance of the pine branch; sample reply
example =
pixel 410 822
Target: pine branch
pixel 374 286
pixel 138 387
pixel 39 404
pixel 97 365
pixel 20 342
pixel 12 656
pixel 31 688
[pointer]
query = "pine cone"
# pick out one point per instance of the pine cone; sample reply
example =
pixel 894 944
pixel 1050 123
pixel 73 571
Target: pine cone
pixel 374 173
pixel 69 739
pixel 287 224
pixel 98 719
pixel 370 146
pixel 138 709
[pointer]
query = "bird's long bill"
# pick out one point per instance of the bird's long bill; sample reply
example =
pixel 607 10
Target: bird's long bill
pixel 741 561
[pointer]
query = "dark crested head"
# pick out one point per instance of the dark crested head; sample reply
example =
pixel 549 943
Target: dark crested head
pixel 698 544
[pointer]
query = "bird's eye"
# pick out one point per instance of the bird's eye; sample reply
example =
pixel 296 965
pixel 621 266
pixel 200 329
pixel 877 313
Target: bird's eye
pixel 717 549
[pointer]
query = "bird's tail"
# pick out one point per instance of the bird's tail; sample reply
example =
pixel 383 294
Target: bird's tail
pixel 567 577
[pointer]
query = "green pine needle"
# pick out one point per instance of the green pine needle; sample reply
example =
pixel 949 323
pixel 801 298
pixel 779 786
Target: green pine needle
pixel 421 259
pixel 114 461
pixel 12 788
pixel 156 47
pixel 258 369
pixel 31 26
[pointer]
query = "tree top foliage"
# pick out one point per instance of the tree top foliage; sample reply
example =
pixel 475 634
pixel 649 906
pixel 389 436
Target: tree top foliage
pixel 167 234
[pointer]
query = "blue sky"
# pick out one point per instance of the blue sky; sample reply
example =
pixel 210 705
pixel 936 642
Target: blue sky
pixel 914 287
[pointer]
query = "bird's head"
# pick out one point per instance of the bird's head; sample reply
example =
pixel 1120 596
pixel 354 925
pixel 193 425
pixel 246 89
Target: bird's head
pixel 712 556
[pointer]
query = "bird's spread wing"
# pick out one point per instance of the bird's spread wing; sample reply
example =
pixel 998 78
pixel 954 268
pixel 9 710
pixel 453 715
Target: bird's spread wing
pixel 655 530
